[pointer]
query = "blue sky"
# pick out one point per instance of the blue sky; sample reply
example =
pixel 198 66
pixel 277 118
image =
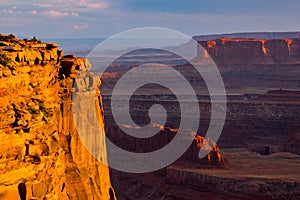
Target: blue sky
pixel 94 18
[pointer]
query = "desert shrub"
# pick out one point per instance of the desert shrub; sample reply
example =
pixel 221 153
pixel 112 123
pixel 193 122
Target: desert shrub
pixel 33 39
pixel 8 38
pixel 11 37
pixel 42 107
pixel 4 60
pixel 33 110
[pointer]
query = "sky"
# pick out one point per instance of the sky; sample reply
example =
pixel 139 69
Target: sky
pixel 103 18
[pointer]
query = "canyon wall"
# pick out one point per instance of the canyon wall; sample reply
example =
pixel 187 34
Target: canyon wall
pixel 264 119
pixel 42 156
pixel 230 52
pixel 249 64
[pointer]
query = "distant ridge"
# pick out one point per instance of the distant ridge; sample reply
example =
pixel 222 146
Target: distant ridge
pixel 256 35
pixel 83 46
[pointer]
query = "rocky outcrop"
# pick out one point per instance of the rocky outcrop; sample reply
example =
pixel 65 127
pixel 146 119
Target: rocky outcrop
pixel 213 158
pixel 42 156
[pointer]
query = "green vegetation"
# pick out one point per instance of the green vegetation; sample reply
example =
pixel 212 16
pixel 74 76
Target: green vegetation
pixel 8 38
pixel 4 60
pixel 33 110
pixel 42 107
pixel 34 39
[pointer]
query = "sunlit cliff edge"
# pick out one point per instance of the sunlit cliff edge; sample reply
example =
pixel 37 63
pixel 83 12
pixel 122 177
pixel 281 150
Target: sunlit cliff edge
pixel 42 156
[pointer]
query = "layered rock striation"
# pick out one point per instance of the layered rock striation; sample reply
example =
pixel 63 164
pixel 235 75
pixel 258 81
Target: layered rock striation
pixel 42 156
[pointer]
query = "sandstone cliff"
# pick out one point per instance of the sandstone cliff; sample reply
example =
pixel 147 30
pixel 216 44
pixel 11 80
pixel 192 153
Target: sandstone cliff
pixel 42 156
pixel 250 65
pixel 243 52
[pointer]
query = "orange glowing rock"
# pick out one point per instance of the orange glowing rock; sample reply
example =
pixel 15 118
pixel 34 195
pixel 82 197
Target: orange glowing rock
pixel 211 44
pixel 264 49
pixel 42 156
pixel 289 42
pixel 214 154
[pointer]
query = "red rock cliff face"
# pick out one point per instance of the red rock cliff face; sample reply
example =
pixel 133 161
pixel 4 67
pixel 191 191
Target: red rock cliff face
pixel 228 53
pixel 266 123
pixel 256 64
pixel 42 156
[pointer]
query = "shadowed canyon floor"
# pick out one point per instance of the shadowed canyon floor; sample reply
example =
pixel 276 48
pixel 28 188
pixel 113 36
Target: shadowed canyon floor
pixel 247 175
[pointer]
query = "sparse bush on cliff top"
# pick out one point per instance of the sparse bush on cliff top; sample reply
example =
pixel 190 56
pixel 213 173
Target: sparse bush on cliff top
pixel 8 38
pixel 4 60
pixel 34 39
pixel 33 110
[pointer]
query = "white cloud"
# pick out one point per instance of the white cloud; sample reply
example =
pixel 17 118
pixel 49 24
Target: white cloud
pixel 33 12
pixel 72 5
pixel 43 5
pixel 80 26
pixel 74 17
pixel 92 5
pixel 74 14
pixel 54 13
pixel 5 11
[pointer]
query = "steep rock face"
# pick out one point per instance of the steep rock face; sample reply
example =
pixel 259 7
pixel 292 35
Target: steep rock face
pixel 255 64
pixel 42 156
pixel 230 53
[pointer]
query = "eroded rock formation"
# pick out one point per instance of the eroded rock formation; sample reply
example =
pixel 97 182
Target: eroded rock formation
pixel 213 158
pixel 42 156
